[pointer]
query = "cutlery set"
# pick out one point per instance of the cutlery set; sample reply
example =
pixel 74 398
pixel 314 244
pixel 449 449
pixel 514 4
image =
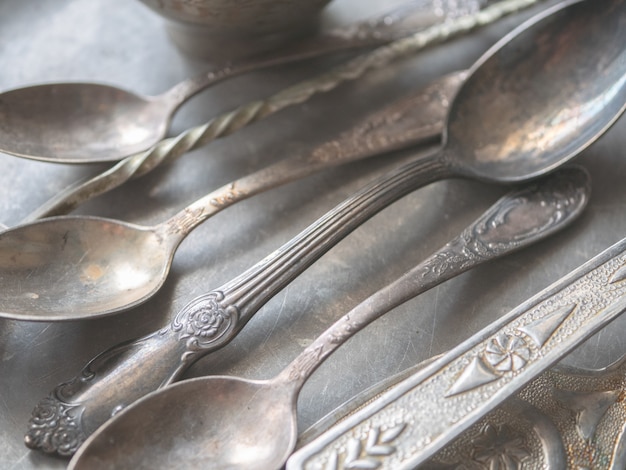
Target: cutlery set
pixel 535 100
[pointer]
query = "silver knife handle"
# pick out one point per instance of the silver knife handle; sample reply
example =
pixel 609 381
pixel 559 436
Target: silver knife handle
pixel 411 422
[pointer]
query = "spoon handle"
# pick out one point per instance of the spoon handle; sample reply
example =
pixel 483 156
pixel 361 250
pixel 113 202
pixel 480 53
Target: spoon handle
pixel 129 371
pixel 412 119
pixel 420 415
pixel 230 122
pixel 518 219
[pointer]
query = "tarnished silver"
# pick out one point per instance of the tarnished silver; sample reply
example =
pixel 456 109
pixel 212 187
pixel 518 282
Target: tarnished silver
pixel 568 417
pixel 238 423
pixel 407 425
pixel 499 129
pixel 92 255
pixel 227 123
pixel 122 42
pixel 89 122
pixel 133 369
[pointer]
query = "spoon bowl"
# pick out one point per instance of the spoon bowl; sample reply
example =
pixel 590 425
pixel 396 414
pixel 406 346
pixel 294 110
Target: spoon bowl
pixel 540 95
pixel 208 436
pixel 108 264
pixel 97 123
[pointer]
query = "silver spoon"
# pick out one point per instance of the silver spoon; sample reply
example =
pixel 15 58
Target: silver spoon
pixel 525 109
pixel 95 256
pixel 91 122
pixel 237 423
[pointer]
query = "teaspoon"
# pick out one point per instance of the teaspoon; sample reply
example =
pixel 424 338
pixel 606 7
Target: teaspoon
pixel 580 39
pixel 169 149
pixel 534 101
pixel 249 424
pixel 92 122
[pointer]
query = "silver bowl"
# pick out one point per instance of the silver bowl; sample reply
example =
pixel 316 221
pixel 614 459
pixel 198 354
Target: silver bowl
pixel 231 29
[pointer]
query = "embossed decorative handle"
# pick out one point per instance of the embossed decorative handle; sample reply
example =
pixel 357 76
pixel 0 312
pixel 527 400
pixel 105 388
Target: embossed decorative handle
pixel 62 421
pixel 516 220
pixel 416 418
pixel 415 118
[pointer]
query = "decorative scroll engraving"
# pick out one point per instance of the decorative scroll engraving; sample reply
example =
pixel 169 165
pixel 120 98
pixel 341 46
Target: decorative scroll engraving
pixel 491 235
pixel 185 221
pixel 56 424
pixel 409 120
pixel 204 320
pixel 54 427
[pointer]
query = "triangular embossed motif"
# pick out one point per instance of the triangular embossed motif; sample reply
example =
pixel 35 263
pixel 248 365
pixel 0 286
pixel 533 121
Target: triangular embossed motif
pixel 474 375
pixel 541 330
pixel 619 275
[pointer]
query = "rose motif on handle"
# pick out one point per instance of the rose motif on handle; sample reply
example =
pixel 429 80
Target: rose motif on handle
pixel 54 428
pixel 204 320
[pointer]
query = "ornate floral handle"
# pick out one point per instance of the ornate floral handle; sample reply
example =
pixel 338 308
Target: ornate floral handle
pixel 516 220
pixel 408 424
pixel 121 375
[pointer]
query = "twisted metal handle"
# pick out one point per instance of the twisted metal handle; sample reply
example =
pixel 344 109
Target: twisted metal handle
pixel 169 149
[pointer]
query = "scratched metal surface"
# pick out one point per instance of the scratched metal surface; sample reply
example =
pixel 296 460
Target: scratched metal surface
pixel 124 43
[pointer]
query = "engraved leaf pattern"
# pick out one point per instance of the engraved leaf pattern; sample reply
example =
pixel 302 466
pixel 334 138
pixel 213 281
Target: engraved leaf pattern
pixel 362 455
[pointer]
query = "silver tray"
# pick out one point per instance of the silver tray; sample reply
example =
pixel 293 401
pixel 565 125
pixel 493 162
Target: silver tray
pixel 124 43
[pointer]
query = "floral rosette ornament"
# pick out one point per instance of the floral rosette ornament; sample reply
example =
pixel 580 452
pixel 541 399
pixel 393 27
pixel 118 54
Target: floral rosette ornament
pixel 204 320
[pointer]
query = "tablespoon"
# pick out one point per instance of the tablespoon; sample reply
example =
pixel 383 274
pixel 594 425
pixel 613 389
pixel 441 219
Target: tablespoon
pixel 237 423
pixel 92 122
pixel 525 109
pixel 95 254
